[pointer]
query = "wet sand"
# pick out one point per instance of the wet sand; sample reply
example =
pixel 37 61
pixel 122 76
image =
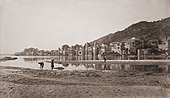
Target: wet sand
pixel 29 83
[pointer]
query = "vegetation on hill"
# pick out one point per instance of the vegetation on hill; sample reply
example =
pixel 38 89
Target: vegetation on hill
pixel 143 30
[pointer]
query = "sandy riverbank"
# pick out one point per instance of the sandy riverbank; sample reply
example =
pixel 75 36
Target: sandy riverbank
pixel 29 83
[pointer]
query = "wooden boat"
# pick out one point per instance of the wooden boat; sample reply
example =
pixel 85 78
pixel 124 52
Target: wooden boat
pixel 59 68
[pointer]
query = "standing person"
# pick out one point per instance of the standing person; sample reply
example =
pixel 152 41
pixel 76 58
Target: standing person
pixel 104 59
pixel 52 64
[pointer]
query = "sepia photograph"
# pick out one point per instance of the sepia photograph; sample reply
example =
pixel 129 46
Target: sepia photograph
pixel 84 48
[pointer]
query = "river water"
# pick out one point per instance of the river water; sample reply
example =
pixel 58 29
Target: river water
pixel 32 63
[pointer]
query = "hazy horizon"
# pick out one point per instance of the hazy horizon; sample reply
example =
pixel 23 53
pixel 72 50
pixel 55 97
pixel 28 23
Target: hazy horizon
pixel 49 24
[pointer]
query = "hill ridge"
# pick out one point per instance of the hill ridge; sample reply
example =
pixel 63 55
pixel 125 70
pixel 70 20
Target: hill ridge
pixel 143 30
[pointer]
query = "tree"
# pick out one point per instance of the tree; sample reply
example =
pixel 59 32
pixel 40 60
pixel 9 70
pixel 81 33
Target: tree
pixel 76 46
pixel 153 50
pixel 65 46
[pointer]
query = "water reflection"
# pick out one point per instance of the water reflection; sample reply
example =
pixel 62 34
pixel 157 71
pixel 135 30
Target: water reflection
pixel 65 65
pixel 89 66
pixel 34 59
pixel 32 62
pixel 110 67
pixel 96 66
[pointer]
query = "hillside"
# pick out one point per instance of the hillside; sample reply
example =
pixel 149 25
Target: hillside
pixel 142 30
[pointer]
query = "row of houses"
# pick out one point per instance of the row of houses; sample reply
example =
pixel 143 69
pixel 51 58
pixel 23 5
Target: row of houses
pixel 89 51
pixel 115 50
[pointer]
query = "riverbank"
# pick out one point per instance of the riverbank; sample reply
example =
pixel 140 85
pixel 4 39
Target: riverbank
pixel 7 58
pixel 125 62
pixel 30 83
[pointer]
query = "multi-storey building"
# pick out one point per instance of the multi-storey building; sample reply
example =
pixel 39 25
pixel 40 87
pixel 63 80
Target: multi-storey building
pixel 115 47
pixel 132 45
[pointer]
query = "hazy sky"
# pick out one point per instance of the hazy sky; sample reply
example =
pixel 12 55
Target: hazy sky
pixel 48 24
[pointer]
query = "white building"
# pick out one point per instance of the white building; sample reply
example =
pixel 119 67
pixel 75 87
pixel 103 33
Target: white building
pixel 116 47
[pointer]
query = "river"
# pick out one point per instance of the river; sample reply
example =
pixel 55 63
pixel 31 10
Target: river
pixel 32 63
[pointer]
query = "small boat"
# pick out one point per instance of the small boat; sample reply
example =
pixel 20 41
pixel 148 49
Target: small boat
pixel 59 62
pixel 59 68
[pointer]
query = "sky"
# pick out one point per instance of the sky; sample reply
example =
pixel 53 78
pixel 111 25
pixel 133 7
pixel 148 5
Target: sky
pixel 49 24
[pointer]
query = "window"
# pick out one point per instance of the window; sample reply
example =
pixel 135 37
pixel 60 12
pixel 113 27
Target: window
pixel 133 44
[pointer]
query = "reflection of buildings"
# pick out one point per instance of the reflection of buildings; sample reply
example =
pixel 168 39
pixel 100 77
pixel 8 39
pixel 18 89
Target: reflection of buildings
pixel 30 59
pixel 111 67
pixel 89 66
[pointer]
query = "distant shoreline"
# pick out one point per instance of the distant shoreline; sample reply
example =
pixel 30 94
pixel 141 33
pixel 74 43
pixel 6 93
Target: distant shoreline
pixel 7 54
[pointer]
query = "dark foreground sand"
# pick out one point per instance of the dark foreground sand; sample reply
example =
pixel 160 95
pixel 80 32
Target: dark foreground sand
pixel 29 83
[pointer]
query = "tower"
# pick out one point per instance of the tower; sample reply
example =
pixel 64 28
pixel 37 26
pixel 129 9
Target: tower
pixel 95 51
